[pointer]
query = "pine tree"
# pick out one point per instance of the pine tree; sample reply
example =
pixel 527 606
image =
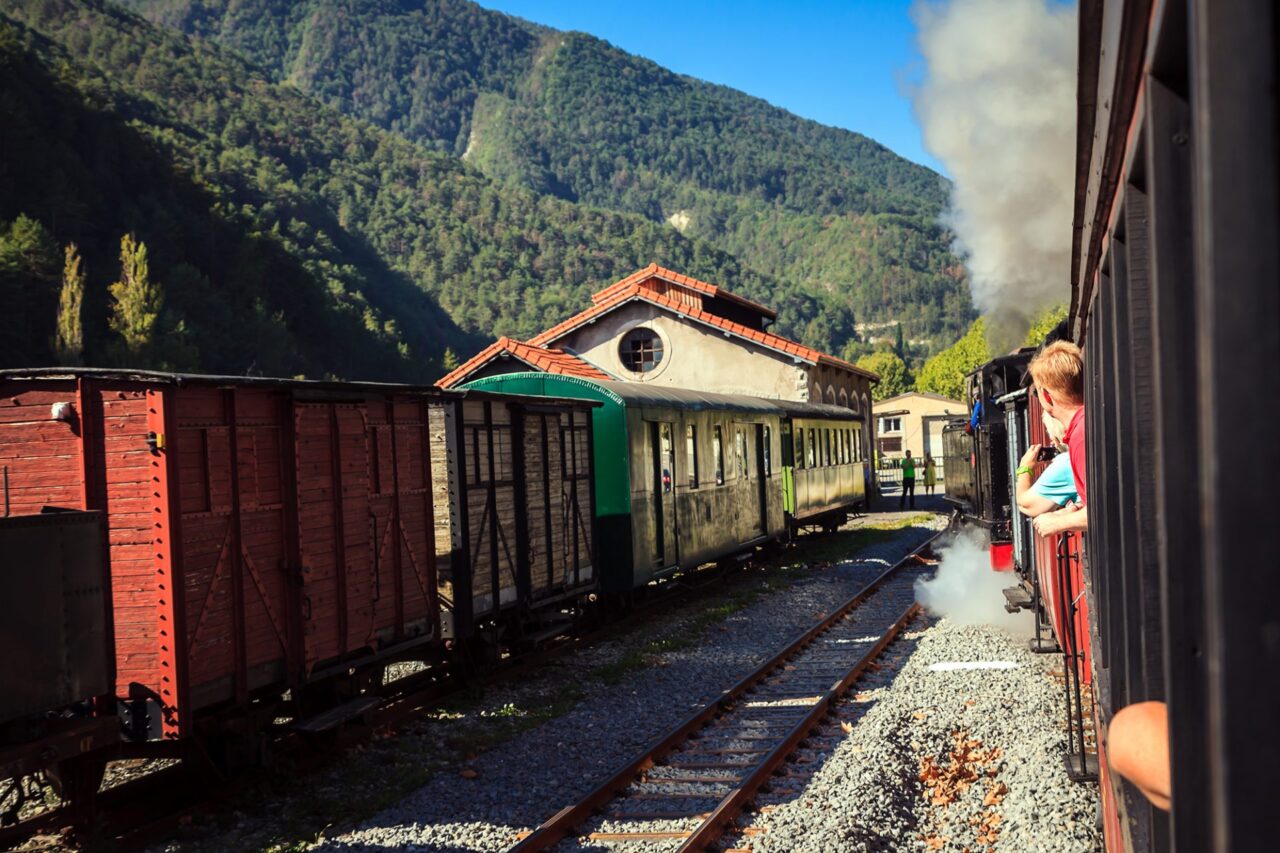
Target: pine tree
pixel 69 343
pixel 450 359
pixel 898 346
pixel 138 301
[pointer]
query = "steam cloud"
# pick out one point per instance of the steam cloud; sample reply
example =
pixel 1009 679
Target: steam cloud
pixel 967 591
pixel 997 106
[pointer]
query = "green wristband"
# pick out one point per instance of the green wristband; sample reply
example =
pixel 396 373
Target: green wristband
pixel 1023 470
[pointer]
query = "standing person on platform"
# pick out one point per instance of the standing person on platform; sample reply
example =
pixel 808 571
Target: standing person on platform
pixel 1058 371
pixel 930 474
pixel 908 481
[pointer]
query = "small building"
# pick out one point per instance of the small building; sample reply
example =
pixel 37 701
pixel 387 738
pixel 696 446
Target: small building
pixel 663 327
pixel 913 421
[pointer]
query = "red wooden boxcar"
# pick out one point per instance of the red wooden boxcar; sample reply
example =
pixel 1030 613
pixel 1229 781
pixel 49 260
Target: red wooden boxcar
pixel 262 533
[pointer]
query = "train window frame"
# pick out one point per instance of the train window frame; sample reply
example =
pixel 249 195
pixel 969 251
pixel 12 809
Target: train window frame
pixel 667 457
pixel 717 451
pixel 740 452
pixel 811 450
pixel 797 451
pixel 691 454
pixel 767 453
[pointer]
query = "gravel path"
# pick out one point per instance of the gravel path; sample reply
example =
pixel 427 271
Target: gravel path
pixel 518 785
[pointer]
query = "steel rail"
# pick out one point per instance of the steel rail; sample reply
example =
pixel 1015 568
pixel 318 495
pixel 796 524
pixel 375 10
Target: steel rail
pixel 737 800
pixel 564 822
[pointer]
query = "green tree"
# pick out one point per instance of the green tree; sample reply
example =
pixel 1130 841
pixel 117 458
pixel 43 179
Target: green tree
pixel 895 379
pixel 1044 324
pixel 138 303
pixel 944 373
pixel 69 343
pixel 28 281
pixel 898 346
pixel 450 362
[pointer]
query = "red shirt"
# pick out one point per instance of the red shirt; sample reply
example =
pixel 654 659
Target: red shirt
pixel 1075 446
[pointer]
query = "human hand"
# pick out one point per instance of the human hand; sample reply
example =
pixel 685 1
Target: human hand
pixel 1050 523
pixel 1029 458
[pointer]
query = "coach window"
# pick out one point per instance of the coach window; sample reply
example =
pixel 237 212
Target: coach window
pixel 691 454
pixel 717 450
pixel 768 452
pixel 799 450
pixel 740 452
pixel 812 458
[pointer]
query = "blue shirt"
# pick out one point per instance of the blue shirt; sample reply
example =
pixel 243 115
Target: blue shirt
pixel 1057 483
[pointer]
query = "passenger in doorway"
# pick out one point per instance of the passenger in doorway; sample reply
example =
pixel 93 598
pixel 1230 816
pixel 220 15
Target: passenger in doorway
pixel 908 481
pixel 1058 371
pixel 1138 749
pixel 1055 488
pixel 930 474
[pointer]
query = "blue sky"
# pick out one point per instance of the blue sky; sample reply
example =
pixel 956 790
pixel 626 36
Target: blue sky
pixel 844 64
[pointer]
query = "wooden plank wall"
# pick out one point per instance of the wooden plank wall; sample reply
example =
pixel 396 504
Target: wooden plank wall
pixel 490 506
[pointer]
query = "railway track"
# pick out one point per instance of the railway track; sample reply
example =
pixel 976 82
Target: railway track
pixel 687 790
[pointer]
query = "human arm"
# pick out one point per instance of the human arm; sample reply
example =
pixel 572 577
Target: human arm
pixel 1029 502
pixel 1066 521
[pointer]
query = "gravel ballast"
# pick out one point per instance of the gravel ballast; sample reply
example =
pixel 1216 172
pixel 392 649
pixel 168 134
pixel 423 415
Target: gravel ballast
pixel 990 740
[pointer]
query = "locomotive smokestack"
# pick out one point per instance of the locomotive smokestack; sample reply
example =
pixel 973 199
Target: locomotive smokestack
pixel 997 106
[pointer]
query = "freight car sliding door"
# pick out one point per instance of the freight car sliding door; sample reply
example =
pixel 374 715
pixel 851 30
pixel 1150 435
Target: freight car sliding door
pixel 490 505
pixel 340 589
pixel 401 521
pixel 231 475
pixel 557 500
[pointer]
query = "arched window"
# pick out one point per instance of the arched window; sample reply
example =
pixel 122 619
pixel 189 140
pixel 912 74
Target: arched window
pixel 640 350
pixel 831 395
pixel 844 398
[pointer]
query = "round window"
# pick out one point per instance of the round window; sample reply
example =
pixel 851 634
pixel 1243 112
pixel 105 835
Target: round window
pixel 640 350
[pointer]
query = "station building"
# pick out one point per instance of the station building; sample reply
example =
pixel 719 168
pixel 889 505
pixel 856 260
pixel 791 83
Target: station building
pixel 660 326
pixel 913 421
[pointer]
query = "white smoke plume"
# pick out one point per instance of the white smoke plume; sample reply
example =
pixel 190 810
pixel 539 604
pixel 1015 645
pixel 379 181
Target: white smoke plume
pixel 967 591
pixel 997 107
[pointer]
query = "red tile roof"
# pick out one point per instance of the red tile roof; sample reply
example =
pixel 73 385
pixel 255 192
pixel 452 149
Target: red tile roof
pixel 546 359
pixel 639 291
pixel 653 271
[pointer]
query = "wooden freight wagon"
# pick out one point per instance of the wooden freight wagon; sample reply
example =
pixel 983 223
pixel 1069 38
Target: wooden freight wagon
pixel 515 512
pixel 263 534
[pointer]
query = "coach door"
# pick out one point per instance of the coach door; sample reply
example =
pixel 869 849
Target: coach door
pixel 764 467
pixel 665 550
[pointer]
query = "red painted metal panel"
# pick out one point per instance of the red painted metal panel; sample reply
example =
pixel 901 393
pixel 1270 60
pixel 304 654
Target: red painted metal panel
pixel 1002 556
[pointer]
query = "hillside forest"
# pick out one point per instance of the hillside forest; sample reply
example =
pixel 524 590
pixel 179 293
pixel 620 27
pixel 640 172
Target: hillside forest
pixel 352 189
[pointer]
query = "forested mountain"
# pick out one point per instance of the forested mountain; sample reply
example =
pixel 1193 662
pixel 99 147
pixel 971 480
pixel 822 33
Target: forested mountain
pixel 288 238
pixel 821 210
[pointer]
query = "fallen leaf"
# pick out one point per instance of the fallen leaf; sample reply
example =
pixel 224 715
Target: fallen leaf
pixel 847 728
pixel 468 773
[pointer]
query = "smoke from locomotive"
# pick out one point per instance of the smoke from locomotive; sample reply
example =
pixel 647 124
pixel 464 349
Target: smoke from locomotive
pixel 965 590
pixel 997 106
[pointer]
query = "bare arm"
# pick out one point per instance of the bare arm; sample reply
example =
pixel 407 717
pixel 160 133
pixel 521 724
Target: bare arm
pixel 1030 503
pixel 1066 521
